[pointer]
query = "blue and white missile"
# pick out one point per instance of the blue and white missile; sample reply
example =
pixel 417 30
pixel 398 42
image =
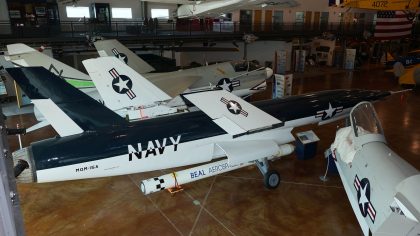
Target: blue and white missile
pixel 175 179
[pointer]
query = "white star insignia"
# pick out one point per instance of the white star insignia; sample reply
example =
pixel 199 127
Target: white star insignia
pixel 122 84
pixel 363 199
pixel 329 111
pixel 225 85
pixel 121 57
pixel 234 107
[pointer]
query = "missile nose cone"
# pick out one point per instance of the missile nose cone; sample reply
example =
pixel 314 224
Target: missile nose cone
pixel 269 72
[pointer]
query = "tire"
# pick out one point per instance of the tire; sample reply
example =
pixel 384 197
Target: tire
pixel 272 179
pixel 398 69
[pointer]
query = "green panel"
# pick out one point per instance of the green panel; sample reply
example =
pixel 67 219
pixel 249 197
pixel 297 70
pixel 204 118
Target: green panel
pixel 81 83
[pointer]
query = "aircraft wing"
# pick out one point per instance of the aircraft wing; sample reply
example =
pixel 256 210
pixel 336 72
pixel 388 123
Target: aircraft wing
pixel 57 118
pixel 179 83
pixel 231 113
pixel 411 76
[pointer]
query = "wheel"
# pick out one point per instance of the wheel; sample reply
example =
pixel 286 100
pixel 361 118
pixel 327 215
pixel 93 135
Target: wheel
pixel 398 69
pixel 271 179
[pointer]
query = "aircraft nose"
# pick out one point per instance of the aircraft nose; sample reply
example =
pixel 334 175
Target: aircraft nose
pixel 269 72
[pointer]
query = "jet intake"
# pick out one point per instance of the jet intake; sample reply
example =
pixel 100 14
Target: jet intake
pixel 23 166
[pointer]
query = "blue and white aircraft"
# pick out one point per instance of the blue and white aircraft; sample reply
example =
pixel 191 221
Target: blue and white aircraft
pixel 228 132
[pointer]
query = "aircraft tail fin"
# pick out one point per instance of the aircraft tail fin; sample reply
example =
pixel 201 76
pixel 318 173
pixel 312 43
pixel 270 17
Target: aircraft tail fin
pixel 22 55
pixel 40 84
pixel 120 86
pixel 114 48
pixel 389 57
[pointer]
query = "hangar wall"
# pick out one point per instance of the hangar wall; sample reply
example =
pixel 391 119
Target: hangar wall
pixel 134 5
pixel 336 14
pixel 289 14
pixel 4 17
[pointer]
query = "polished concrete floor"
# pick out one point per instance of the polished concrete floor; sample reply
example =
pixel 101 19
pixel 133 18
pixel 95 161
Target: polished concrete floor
pixel 234 203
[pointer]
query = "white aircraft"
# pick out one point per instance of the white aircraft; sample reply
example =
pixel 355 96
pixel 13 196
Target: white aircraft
pixel 383 189
pixel 242 79
pixel 215 8
pixel 22 56
pixel 227 127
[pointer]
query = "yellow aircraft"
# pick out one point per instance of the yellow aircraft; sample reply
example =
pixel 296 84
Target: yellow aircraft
pixel 382 5
pixel 406 68
pixel 411 76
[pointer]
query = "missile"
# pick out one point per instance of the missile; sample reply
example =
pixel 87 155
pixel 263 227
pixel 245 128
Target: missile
pixel 175 179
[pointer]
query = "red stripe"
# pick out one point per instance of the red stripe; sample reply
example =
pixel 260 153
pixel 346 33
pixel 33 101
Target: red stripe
pixel 131 94
pixel 114 73
pixel 396 16
pixel 393 22
pixel 370 208
pixel 392 30
pixel 371 214
pixel 357 180
pixel 392 37
pixel 355 186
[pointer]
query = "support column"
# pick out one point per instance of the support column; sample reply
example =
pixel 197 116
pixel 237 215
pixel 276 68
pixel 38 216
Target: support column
pixel 11 222
pixel 4 18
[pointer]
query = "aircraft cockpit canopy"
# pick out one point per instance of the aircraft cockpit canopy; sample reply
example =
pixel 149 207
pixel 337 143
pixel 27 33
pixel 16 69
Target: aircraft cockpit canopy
pixel 364 120
pixel 245 66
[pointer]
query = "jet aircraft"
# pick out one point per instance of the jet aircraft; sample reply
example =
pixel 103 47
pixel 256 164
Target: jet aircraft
pixel 381 5
pixel 242 79
pixel 383 188
pixel 22 55
pixel 225 127
pixel 217 8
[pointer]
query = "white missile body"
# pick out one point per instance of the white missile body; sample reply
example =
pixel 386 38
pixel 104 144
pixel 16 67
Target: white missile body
pixel 175 179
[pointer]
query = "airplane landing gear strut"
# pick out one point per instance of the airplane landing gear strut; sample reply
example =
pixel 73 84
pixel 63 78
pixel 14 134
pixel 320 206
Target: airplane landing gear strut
pixel 271 177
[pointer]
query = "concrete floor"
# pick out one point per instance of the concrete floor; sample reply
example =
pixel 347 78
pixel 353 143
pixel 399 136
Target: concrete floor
pixel 234 203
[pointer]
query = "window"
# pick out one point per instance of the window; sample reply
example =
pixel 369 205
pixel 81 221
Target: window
pixel 77 12
pixel 160 13
pixel 124 13
pixel 300 17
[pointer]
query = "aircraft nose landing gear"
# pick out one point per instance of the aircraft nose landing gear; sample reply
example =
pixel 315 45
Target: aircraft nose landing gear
pixel 271 177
